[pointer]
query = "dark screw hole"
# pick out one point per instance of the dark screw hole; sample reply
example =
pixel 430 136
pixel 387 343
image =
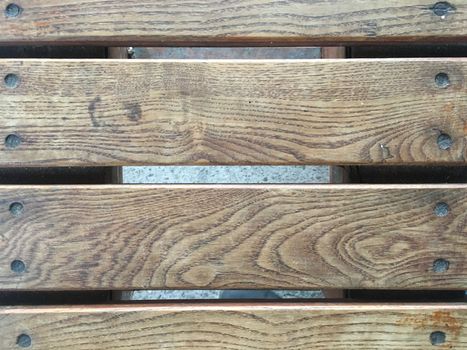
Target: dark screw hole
pixel 442 80
pixel 438 338
pixel 18 266
pixel 12 141
pixel 16 209
pixel 24 341
pixel 442 8
pixel 440 266
pixel 11 81
pixel 13 10
pixel 444 142
pixel 441 209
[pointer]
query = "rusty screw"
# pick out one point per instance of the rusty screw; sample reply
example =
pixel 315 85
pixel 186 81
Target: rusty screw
pixel 17 266
pixel 442 80
pixel 442 9
pixel 11 81
pixel 440 266
pixel 16 208
pixel 438 338
pixel 23 341
pixel 13 10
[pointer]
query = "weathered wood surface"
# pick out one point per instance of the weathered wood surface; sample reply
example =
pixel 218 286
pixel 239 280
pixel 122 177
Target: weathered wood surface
pixel 237 326
pixel 246 22
pixel 232 237
pixel 73 112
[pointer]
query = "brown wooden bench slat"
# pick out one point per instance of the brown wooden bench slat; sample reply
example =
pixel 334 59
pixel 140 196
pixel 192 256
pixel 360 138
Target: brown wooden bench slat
pixel 215 22
pixel 233 237
pixel 267 326
pixel 235 112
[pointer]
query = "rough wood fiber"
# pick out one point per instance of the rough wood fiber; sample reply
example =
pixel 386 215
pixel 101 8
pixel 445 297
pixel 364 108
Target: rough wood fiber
pixel 218 22
pixel 237 326
pixel 229 237
pixel 117 112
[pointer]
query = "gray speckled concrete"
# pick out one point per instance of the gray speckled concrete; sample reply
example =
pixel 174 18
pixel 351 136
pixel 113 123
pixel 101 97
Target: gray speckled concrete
pixel 225 52
pixel 214 294
pixel 226 174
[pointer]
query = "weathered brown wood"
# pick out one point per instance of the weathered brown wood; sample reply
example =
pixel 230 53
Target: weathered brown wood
pixel 333 52
pixel 216 22
pixel 337 174
pixel 232 237
pixel 72 112
pixel 116 173
pixel 268 326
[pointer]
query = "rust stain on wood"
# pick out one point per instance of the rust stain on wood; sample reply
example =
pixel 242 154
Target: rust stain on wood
pixel 437 319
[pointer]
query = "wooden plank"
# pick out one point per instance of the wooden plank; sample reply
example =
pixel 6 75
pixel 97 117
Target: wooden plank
pixel 334 52
pixel 247 22
pixel 233 237
pixel 116 173
pixel 265 326
pixel 235 112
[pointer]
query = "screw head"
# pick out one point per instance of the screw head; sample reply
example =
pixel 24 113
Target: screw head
pixel 442 80
pixel 441 209
pixel 444 142
pixel 23 341
pixel 11 81
pixel 442 9
pixel 16 208
pixel 437 338
pixel 17 266
pixel 13 10
pixel 440 265
pixel 12 141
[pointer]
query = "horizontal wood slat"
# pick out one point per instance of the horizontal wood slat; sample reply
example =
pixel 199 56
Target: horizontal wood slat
pixel 216 22
pixel 233 237
pixel 74 112
pixel 237 326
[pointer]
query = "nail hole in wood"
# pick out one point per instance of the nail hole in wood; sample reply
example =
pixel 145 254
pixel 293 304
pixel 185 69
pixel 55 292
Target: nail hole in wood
pixel 442 9
pixel 441 209
pixel 440 266
pixel 12 141
pixel 444 142
pixel 13 10
pixel 442 80
pixel 17 266
pixel 11 81
pixel 437 338
pixel 23 341
pixel 16 208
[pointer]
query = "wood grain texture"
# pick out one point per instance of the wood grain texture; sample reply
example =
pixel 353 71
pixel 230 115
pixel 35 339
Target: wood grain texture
pixel 219 22
pixel 233 237
pixel 236 326
pixel 277 112
pixel 337 174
